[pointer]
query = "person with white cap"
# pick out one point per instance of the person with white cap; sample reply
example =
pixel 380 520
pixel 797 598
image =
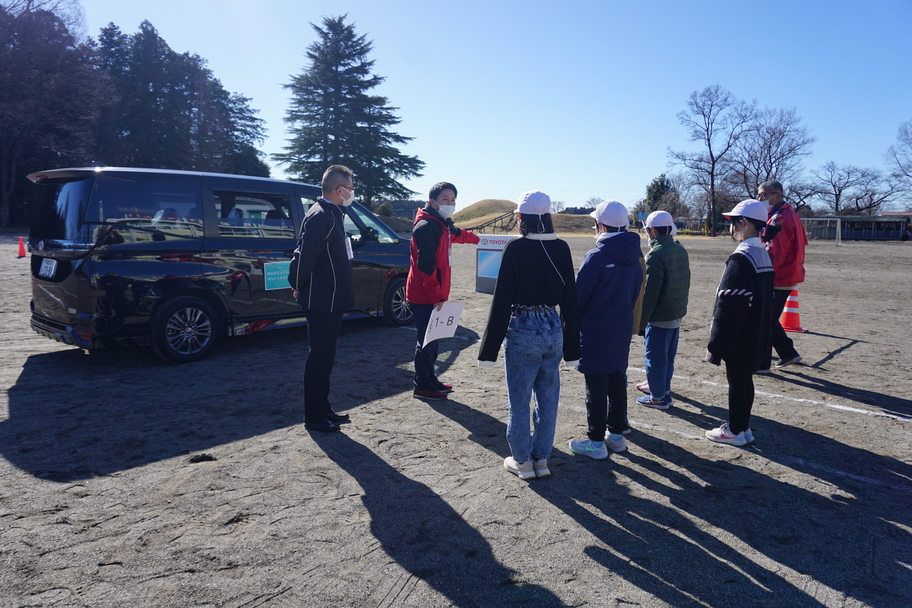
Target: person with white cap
pixel 664 307
pixel 534 314
pixel 742 315
pixel 607 287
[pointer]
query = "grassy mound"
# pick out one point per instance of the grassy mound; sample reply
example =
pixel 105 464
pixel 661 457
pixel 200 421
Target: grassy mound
pixel 487 207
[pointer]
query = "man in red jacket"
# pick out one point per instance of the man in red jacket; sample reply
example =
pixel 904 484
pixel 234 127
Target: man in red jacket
pixel 428 284
pixel 787 254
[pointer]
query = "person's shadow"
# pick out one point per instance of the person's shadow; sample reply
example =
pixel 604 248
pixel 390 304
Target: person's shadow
pixel 427 537
pixel 74 415
pixel 719 533
pixel 896 405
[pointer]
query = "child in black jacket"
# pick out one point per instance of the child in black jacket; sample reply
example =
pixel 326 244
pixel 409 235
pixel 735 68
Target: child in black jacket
pixel 740 330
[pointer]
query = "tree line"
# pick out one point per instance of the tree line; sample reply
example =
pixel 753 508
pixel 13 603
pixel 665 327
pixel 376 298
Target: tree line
pixel 123 100
pixel 741 146
pixel 130 100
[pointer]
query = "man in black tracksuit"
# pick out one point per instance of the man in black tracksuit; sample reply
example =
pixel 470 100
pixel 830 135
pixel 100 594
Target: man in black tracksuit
pixel 324 287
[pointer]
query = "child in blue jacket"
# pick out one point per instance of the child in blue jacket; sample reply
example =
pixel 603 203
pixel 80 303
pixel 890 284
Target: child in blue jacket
pixel 607 287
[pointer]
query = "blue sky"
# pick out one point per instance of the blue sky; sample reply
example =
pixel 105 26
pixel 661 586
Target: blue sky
pixel 578 99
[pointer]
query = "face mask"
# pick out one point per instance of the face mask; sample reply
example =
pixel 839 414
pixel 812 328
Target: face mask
pixel 446 211
pixel 351 197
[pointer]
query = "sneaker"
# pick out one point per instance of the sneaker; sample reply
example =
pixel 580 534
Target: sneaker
pixel 749 435
pixel 616 446
pixel 540 467
pixel 788 362
pixel 644 386
pixel 723 434
pixel 588 448
pixel 522 469
pixel 626 431
pixel 764 372
pixel 442 387
pixel 659 404
pixel 429 395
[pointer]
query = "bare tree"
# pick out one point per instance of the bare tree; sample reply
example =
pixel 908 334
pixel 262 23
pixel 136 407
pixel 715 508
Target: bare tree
pixel 899 156
pixel 801 194
pixel 771 149
pixel 899 160
pixel 557 206
pixel 70 12
pixel 849 190
pixel 718 120
pixel 593 201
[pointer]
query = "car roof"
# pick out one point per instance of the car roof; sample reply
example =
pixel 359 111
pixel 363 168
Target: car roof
pixel 40 176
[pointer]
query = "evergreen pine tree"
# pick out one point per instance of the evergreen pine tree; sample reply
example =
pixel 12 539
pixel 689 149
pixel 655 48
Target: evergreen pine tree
pixel 333 119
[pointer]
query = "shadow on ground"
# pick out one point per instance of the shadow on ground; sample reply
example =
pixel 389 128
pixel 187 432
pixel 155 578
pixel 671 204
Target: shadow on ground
pixel 74 415
pixel 715 532
pixel 427 537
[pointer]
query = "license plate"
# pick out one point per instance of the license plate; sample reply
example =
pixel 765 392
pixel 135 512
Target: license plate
pixel 48 268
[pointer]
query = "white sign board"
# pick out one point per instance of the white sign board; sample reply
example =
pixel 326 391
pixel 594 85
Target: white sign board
pixel 443 322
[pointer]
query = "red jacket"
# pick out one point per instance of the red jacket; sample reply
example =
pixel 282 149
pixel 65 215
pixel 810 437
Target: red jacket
pixel 429 255
pixel 787 249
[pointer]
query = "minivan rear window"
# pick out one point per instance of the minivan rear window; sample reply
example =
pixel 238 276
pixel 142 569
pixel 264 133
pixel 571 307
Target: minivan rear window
pixel 59 210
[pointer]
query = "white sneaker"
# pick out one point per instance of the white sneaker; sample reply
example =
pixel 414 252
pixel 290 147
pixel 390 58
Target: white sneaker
pixel 540 467
pixel 723 434
pixel 589 448
pixel 749 435
pixel 523 470
pixel 616 446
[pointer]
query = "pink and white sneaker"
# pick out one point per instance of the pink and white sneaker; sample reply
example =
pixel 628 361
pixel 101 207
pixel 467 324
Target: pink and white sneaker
pixel 723 434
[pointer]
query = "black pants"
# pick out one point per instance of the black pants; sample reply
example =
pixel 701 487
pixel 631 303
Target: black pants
pixel 606 404
pixel 779 340
pixel 323 334
pixel 740 397
pixel 425 357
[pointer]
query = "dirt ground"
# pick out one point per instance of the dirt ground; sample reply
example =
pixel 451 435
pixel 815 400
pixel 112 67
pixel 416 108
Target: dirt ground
pixel 126 481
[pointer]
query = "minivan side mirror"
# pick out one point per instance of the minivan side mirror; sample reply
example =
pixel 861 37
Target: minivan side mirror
pixel 367 235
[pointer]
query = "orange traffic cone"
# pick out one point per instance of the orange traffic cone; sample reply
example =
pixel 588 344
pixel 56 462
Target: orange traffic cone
pixel 21 248
pixel 791 318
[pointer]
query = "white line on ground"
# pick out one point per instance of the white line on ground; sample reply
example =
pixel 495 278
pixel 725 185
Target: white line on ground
pixel 834 406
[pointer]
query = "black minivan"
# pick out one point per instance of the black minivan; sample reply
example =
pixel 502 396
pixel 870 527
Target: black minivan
pixel 179 259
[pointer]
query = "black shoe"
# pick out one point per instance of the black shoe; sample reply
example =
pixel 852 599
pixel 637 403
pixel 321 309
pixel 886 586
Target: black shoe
pixel 323 425
pixel 441 387
pixel 337 417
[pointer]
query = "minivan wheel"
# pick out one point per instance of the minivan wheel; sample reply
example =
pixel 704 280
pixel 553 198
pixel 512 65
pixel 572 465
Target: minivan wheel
pixel 396 310
pixel 183 330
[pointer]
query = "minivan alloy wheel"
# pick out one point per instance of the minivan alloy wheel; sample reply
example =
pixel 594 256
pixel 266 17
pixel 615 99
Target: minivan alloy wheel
pixel 183 329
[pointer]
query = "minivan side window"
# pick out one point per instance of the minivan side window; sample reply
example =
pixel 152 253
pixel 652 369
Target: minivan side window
pixel 384 235
pixel 257 215
pixel 154 205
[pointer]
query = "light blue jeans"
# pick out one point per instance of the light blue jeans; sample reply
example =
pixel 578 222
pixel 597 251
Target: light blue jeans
pixel 533 351
pixel 661 346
